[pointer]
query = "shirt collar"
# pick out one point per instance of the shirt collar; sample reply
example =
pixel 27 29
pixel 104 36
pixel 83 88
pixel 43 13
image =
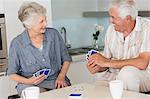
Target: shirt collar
pixel 138 24
pixel 26 38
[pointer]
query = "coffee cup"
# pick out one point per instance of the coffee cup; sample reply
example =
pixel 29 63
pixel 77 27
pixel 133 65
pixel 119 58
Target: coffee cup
pixel 31 93
pixel 116 89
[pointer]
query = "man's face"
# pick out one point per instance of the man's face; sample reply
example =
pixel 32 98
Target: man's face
pixel 118 22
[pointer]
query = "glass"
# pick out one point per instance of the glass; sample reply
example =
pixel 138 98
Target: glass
pixel 95 45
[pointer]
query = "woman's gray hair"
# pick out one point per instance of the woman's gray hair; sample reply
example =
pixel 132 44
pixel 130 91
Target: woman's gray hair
pixel 28 11
pixel 125 7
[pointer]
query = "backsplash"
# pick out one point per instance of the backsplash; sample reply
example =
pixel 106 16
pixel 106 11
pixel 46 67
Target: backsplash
pixel 80 30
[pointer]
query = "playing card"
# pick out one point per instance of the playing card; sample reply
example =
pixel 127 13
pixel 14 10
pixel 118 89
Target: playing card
pixel 91 52
pixel 38 73
pixel 46 72
pixel 87 56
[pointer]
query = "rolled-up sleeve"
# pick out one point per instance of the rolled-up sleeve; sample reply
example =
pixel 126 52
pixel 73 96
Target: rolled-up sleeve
pixel 13 59
pixel 63 50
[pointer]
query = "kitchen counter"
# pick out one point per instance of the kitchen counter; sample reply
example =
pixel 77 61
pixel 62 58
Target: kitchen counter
pixel 83 50
pixel 80 57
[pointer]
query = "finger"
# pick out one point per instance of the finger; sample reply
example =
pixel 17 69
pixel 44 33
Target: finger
pixel 90 63
pixel 56 84
pixel 95 69
pixel 65 85
pixel 62 84
pixel 39 79
pixel 93 56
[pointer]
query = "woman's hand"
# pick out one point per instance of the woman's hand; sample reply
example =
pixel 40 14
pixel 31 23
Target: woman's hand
pixel 36 80
pixel 60 81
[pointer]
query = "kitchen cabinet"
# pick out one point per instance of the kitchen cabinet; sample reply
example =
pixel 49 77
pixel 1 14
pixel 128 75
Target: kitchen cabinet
pixel 4 86
pixel 78 72
pixel 7 86
pixel 12 85
pixel 105 14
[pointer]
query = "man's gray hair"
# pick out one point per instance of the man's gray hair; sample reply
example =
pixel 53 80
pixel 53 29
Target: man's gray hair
pixel 125 7
pixel 28 11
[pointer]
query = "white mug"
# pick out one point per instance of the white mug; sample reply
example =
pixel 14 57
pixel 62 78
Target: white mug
pixel 116 89
pixel 31 93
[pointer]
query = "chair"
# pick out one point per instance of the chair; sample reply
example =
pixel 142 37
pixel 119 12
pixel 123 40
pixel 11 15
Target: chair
pixel 14 96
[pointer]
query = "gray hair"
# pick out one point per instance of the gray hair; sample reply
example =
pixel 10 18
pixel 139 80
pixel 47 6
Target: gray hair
pixel 28 11
pixel 126 7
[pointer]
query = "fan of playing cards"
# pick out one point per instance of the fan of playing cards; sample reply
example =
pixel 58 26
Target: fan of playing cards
pixel 42 71
pixel 89 53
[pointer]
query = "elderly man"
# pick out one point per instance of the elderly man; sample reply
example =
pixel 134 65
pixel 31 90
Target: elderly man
pixel 127 51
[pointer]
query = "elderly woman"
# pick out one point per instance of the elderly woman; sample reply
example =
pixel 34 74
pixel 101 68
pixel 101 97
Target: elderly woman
pixel 35 49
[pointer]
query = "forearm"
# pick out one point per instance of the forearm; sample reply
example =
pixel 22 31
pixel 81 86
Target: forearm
pixel 139 62
pixel 65 68
pixel 19 78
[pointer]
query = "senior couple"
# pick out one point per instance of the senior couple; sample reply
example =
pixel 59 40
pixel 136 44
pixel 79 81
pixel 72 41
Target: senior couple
pixel 126 54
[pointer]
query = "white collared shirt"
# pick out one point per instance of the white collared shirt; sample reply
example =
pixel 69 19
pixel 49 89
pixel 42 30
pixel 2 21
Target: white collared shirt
pixel 117 47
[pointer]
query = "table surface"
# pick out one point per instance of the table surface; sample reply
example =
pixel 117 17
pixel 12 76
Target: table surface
pixel 89 91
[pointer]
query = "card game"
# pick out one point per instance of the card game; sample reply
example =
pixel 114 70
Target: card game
pixel 43 71
pixel 89 53
pixel 75 96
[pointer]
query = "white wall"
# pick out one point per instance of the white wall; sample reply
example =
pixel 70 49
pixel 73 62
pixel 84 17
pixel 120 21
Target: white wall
pixel 13 25
pixel 68 13
pixel 63 9
pixel 1 7
pixel 141 5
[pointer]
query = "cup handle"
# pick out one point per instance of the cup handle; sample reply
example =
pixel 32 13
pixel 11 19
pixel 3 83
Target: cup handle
pixel 23 94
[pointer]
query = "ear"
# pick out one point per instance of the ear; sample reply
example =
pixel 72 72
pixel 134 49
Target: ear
pixel 128 18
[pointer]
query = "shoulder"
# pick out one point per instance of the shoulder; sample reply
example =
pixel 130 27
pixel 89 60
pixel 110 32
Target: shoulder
pixel 110 31
pixel 52 32
pixel 145 22
pixel 18 39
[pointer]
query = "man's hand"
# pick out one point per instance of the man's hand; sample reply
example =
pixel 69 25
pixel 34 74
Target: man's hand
pixel 98 59
pixel 97 63
pixel 60 81
pixel 92 67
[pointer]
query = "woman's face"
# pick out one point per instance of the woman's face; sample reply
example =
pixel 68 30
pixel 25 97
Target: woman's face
pixel 39 24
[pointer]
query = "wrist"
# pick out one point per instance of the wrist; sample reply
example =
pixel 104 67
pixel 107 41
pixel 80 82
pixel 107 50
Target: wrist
pixel 110 63
pixel 62 74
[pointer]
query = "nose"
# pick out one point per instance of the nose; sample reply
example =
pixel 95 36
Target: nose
pixel 45 23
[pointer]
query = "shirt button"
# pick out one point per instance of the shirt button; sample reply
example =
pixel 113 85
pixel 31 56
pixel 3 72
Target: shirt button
pixel 43 60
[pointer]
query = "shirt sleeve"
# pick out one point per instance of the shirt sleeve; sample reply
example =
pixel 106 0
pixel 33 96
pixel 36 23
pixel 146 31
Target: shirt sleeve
pixel 145 47
pixel 63 49
pixel 107 52
pixel 13 59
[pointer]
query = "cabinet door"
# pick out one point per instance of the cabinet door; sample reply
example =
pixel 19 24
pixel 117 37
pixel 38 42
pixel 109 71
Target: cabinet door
pixel 4 87
pixel 78 73
pixel 13 84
